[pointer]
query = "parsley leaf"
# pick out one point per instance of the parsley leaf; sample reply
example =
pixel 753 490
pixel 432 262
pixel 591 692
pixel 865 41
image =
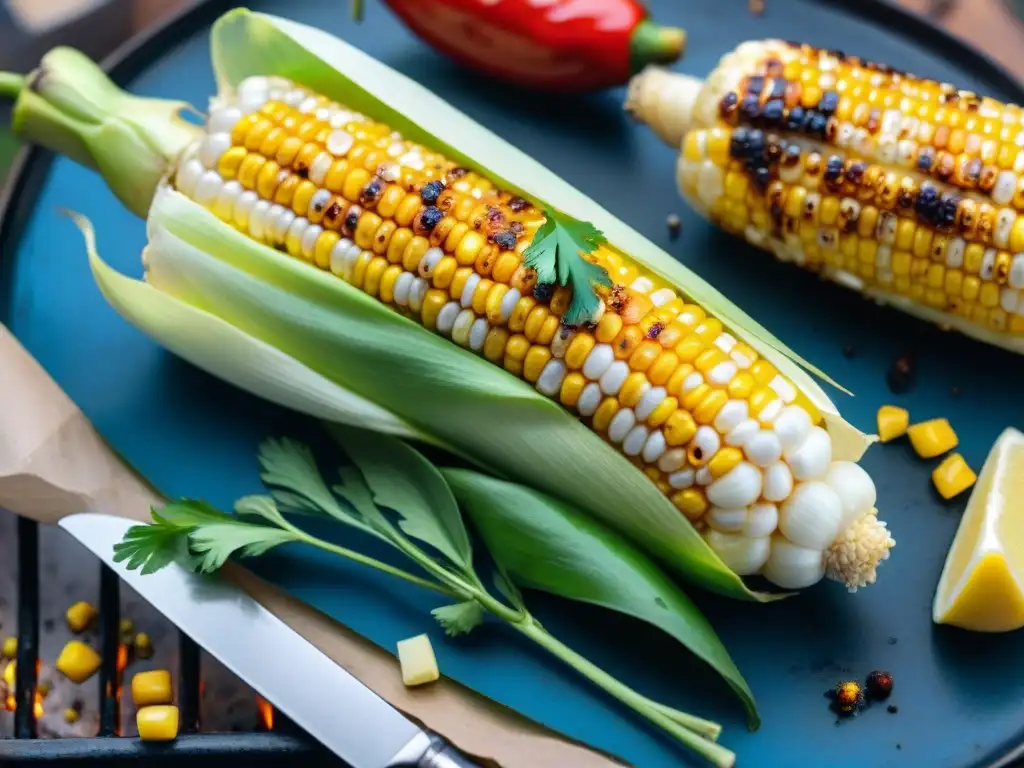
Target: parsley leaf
pixel 214 544
pixel 460 618
pixel 557 254
pixel 152 548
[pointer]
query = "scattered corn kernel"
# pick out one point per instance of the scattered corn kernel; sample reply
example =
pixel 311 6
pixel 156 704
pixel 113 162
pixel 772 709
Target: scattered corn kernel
pixel 71 715
pixel 892 422
pixel 80 616
pixel 416 657
pixel 157 723
pixel 43 688
pixel 78 661
pixel 932 438
pixel 953 476
pixel 127 626
pixel 143 646
pixel 10 648
pixel 153 687
pixel 9 673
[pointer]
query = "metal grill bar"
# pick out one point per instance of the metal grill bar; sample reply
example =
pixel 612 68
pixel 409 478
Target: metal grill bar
pixel 284 747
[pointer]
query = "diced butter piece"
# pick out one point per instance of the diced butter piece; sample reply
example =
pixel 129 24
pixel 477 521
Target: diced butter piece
pixel 416 656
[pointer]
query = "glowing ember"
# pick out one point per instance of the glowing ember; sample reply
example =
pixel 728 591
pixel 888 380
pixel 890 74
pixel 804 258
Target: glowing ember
pixel 37 707
pixel 122 657
pixel 10 704
pixel 266 710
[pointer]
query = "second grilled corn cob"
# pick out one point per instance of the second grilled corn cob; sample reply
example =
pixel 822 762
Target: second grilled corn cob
pixel 909 190
pixel 738 449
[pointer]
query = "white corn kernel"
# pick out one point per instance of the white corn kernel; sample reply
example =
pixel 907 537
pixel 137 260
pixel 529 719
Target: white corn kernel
pixel 460 329
pixel 622 422
pixel 792 426
pixel 614 377
pixel 811 516
pixel 762 520
pixel 478 334
pixel 810 461
pixel 764 448
pixel 403 284
pixel 743 555
pixel 597 362
pixel 726 520
pixel 446 317
pixel 739 487
pixel 550 380
pixel 654 448
pixel 650 400
pixel 635 440
pixel 793 567
pixel 682 479
pixel 589 399
pixel 672 460
pixel 731 415
pixel 778 482
pixel 469 289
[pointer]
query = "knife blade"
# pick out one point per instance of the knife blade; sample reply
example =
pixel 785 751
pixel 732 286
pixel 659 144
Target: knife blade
pixel 300 680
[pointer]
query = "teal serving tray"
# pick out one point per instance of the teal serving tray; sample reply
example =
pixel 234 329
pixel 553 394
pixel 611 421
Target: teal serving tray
pixel 960 696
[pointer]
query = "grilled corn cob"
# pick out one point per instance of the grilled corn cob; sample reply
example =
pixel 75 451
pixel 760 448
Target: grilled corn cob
pixel 738 449
pixel 909 190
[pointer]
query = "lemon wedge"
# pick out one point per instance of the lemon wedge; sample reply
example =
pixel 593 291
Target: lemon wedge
pixel 982 583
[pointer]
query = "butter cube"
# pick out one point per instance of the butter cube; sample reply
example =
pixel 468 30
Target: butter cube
pixel 416 656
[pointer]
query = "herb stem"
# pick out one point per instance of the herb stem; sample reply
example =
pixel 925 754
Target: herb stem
pixel 11 84
pixel 689 730
pixel 374 563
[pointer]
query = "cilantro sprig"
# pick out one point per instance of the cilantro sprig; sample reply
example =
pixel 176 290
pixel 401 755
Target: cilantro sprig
pixel 556 254
pixel 393 493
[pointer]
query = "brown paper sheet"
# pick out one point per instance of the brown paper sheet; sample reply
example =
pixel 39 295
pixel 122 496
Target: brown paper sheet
pixel 53 463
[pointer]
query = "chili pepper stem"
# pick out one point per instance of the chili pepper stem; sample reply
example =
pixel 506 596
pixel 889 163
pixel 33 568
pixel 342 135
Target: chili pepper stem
pixel 652 43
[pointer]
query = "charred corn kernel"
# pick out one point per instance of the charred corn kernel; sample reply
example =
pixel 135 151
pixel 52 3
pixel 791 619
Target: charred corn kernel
pixel 157 723
pixel 724 461
pixel 691 503
pixel 126 626
pixel 152 687
pixel 892 422
pixel 10 674
pixel 604 414
pixel 417 661
pixel 78 662
pixel 80 616
pixel 953 476
pixel 626 342
pixel 143 646
pixel 932 438
pixel 10 647
pixel 572 385
pixel 71 715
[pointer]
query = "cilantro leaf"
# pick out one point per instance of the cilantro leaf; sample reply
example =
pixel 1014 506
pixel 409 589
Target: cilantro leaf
pixel 291 471
pixel 214 544
pixel 460 618
pixel 355 491
pixel 152 548
pixel 557 255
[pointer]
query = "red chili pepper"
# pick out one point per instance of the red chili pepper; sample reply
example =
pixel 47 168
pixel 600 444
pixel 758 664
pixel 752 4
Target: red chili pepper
pixel 556 45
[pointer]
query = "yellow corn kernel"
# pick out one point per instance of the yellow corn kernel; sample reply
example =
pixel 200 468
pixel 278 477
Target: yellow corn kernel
pixel 578 350
pixel 709 330
pixel 126 627
pixel 230 162
pixel 359 268
pixel 492 305
pixel 548 330
pixel 724 461
pixel 469 248
pixel 675 381
pixel 266 179
pixel 680 428
pixel 505 267
pixel 691 503
pixel 432 304
pixel 249 170
pixel 759 398
pixel 1017 235
pixel 974 254
pixel 689 349
pixel 78 661
pixel 691 399
pixel 494 344
pixel 10 648
pixel 388 203
pixel 892 422
pixel 324 245
pixel 387 283
pixel 286 191
pixel 407 209
pixel 80 616
pixel 157 723
pixel 663 412
pixel 417 661
pixel 742 385
pixel 709 406
pixel 932 438
pixel 153 687
pixel 572 386
pixel 763 371
pixel 535 361
pixel 604 414
pixel 953 476
pixel 660 371
pixel 143 646
pixel 971 288
pixel 989 295
pixel 444 272
pixel 708 359
pixel 10 674
pixel 633 388
pixel 644 355
pixel 520 313
pixel 608 327
pixel 71 715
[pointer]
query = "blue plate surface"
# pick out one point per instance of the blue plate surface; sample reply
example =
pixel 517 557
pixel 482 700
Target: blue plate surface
pixel 960 696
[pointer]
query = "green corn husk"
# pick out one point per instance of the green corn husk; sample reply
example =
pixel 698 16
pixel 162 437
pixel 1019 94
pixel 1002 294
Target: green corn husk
pixel 298 336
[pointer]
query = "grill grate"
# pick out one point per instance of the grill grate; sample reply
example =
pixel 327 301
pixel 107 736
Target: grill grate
pixel 283 747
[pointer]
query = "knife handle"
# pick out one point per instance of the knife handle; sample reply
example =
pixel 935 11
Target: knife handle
pixel 441 754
